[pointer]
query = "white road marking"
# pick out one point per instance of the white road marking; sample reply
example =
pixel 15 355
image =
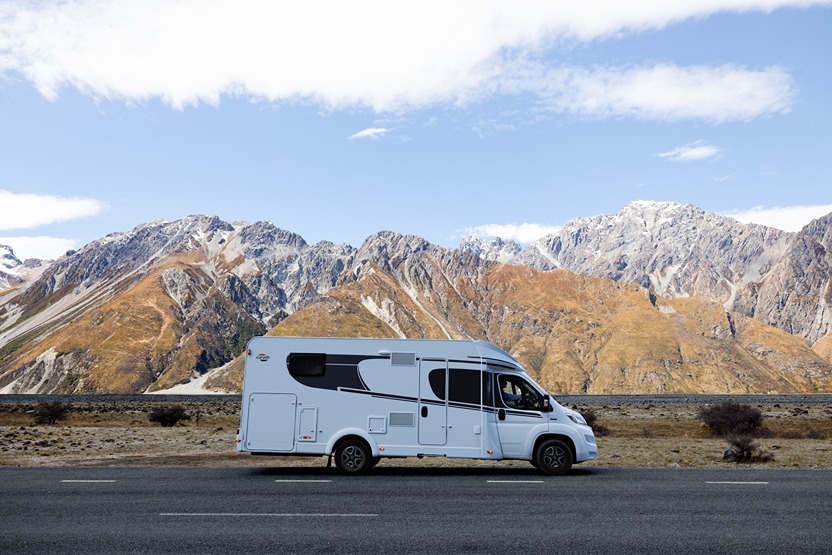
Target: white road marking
pixel 274 514
pixel 304 481
pixel 87 481
pixel 744 483
pixel 514 481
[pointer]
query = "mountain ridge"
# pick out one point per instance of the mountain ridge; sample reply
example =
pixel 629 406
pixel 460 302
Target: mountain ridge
pixel 207 285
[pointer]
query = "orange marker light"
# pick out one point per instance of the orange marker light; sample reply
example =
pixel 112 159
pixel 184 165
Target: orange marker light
pixel 381 448
pixel 490 452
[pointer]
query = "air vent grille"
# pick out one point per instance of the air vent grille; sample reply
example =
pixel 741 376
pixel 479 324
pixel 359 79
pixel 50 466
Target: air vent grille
pixel 403 359
pixel 402 419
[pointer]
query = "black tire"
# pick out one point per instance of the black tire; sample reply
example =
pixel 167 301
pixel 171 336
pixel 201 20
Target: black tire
pixel 553 457
pixel 374 461
pixel 353 457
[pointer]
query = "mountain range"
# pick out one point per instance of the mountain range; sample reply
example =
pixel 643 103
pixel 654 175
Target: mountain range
pixel 660 297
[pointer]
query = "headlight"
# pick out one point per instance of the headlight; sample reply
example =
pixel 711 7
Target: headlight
pixel 576 418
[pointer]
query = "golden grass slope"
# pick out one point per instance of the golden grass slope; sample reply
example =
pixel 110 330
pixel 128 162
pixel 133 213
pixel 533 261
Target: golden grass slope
pixel 574 333
pixel 139 340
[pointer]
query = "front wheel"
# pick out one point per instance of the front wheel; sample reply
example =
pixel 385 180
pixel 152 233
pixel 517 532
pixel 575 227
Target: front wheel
pixel 353 457
pixel 553 457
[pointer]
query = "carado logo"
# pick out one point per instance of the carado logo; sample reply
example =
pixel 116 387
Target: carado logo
pixel 262 357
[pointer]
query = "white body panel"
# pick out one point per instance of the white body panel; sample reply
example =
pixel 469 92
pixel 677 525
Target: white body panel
pixel 403 397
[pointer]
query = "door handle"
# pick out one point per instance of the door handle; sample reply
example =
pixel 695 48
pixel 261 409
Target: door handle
pixel 424 412
pixel 501 414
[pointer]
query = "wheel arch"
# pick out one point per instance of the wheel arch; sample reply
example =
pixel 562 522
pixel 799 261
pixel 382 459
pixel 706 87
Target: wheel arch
pixel 562 437
pixel 348 434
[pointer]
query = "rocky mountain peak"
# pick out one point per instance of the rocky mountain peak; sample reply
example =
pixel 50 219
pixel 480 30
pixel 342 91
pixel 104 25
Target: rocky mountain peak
pixel 387 248
pixel 8 261
pixel 496 249
pixel 262 236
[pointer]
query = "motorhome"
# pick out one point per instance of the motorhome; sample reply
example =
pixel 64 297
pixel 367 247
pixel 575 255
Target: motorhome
pixel 360 400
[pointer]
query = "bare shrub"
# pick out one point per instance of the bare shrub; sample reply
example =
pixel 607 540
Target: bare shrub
pixel 744 449
pixel 732 419
pixel 592 421
pixel 168 416
pixel 51 412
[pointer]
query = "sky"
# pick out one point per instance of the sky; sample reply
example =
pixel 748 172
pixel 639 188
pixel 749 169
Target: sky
pixel 338 119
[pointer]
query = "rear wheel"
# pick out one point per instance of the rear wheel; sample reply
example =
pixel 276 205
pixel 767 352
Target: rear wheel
pixel 553 457
pixel 352 457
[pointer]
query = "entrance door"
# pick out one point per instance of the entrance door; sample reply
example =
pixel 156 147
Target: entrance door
pixel 433 401
pixel 271 422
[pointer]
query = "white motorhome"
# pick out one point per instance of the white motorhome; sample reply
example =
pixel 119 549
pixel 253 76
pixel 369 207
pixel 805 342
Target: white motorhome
pixel 364 399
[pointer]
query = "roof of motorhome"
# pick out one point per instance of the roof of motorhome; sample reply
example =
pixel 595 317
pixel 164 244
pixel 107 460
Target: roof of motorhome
pixel 484 348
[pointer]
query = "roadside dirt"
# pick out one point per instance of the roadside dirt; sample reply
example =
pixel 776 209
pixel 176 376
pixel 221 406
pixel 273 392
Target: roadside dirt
pixel 120 434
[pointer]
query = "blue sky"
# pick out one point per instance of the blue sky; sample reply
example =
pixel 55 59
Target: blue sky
pixel 442 119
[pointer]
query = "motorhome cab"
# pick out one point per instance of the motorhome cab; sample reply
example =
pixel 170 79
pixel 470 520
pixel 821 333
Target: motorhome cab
pixel 364 399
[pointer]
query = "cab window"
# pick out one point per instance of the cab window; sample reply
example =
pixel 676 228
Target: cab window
pixel 517 393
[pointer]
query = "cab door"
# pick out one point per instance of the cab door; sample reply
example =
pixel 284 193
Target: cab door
pixel 433 401
pixel 519 413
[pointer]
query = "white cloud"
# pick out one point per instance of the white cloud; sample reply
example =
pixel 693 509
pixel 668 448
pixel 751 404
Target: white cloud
pixel 45 248
pixel 788 218
pixel 27 210
pixel 522 233
pixel 389 56
pixel 369 133
pixel 669 92
pixel 692 152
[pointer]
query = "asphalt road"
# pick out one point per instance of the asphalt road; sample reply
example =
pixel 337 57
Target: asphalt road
pixel 412 510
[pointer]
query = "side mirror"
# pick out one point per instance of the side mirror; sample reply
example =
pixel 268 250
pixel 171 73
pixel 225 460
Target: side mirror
pixel 546 406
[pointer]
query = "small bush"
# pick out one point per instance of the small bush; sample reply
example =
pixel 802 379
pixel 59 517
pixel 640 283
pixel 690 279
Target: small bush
pixel 590 417
pixel 51 412
pixel 168 416
pixel 732 419
pixel 743 449
pixel 592 421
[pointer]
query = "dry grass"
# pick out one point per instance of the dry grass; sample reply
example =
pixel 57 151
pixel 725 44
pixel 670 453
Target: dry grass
pixel 119 434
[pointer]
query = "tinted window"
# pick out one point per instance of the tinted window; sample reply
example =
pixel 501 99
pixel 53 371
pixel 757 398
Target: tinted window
pixel 487 398
pixel 436 379
pixel 306 364
pixel 464 386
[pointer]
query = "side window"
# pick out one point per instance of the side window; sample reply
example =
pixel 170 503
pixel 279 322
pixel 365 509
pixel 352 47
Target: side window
pixel 517 393
pixel 464 386
pixel 436 379
pixel 487 397
pixel 306 364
